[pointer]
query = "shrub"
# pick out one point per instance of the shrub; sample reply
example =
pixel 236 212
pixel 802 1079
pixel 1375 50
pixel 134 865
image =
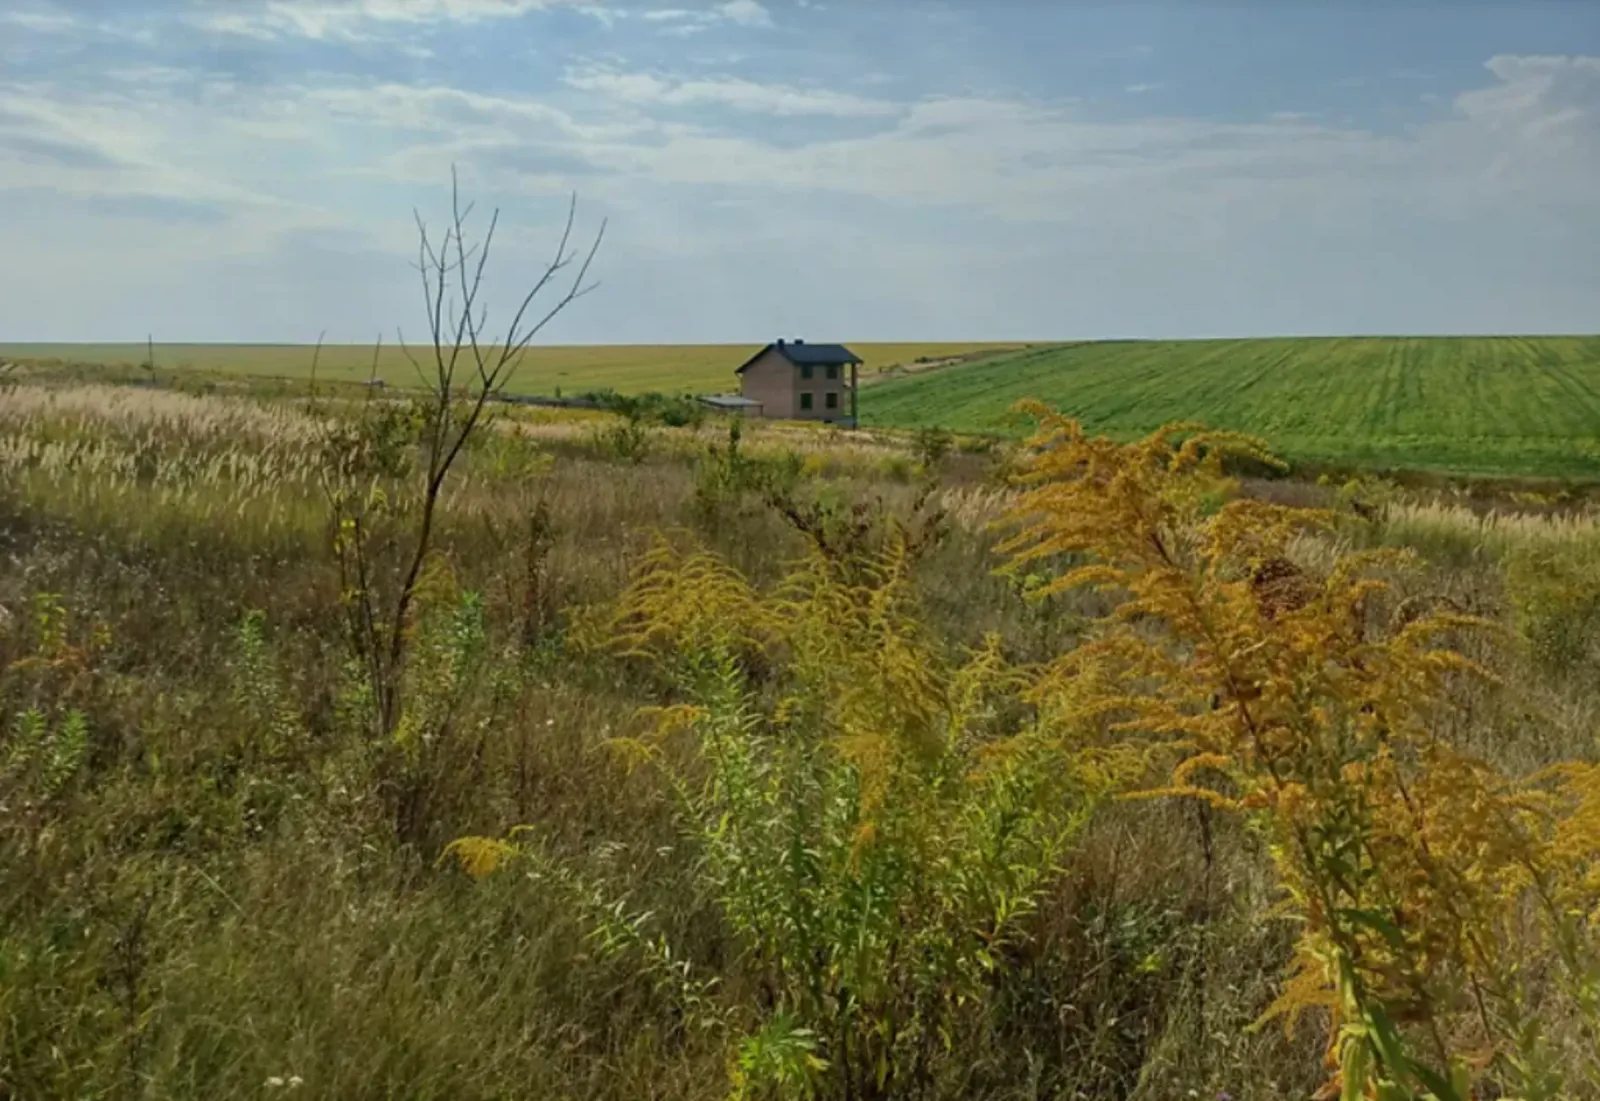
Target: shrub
pixel 849 533
pixel 1554 589
pixel 626 440
pixel 680 411
pixel 1305 700
pixel 1367 497
pixel 931 446
pixel 874 826
pixel 896 468
pixel 671 410
pixel 509 456
pixel 724 476
pixel 41 755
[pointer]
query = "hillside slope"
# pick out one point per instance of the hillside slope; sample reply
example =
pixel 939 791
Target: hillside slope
pixel 1495 405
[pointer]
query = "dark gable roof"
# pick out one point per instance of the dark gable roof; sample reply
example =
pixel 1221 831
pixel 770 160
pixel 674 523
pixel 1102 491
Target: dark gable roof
pixel 813 354
pixel 818 353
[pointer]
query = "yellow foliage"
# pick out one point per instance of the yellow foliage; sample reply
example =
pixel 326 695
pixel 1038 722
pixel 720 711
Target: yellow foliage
pixel 479 856
pixel 1296 693
pixel 678 601
pixel 857 661
pixel 877 815
pixel 1263 672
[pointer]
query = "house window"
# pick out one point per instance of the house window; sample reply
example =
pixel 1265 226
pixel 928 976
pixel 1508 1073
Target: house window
pixel 831 400
pixel 805 400
pixel 833 372
pixel 805 370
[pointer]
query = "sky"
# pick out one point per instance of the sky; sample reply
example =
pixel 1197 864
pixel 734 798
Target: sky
pixel 250 170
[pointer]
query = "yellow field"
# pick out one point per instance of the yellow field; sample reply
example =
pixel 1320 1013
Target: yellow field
pixel 628 368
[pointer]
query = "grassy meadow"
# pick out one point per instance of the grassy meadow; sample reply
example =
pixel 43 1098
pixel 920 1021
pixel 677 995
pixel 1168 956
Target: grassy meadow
pixel 734 764
pixel 1485 405
pixel 1495 406
pixel 626 368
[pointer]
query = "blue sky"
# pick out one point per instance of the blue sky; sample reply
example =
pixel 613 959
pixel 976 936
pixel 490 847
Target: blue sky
pixel 838 169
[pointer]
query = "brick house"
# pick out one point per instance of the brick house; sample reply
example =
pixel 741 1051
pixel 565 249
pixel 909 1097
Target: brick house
pixel 799 381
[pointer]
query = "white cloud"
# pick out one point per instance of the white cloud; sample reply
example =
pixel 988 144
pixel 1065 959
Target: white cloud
pixel 1532 131
pixel 1027 192
pixel 747 13
pixel 60 22
pixel 443 110
pixel 262 25
pixel 1538 96
pixel 353 19
pixel 40 21
pixel 413 132
pixel 1530 137
pixel 645 89
pixel 159 141
pixel 606 17
pixel 683 22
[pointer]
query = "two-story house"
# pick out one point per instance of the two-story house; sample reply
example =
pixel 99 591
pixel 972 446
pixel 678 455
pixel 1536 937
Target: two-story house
pixel 800 381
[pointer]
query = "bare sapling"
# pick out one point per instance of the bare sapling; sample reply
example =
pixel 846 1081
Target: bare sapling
pixel 390 473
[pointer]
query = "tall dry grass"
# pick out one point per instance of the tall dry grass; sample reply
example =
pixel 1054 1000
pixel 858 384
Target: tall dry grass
pixel 202 891
pixel 1458 532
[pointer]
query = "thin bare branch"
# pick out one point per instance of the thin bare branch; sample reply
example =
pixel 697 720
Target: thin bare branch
pixel 560 261
pixel 469 289
pixel 316 355
pixel 405 350
pixel 577 290
pixel 372 374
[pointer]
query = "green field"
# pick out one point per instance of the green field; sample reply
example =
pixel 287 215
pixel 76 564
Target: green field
pixel 1492 405
pixel 628 368
pixel 1477 405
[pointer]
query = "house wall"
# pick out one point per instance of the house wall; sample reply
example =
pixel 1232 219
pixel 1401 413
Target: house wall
pixel 820 386
pixel 777 384
pixel 771 381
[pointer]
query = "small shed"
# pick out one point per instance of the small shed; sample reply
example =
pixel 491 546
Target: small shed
pixel 735 404
pixel 798 381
